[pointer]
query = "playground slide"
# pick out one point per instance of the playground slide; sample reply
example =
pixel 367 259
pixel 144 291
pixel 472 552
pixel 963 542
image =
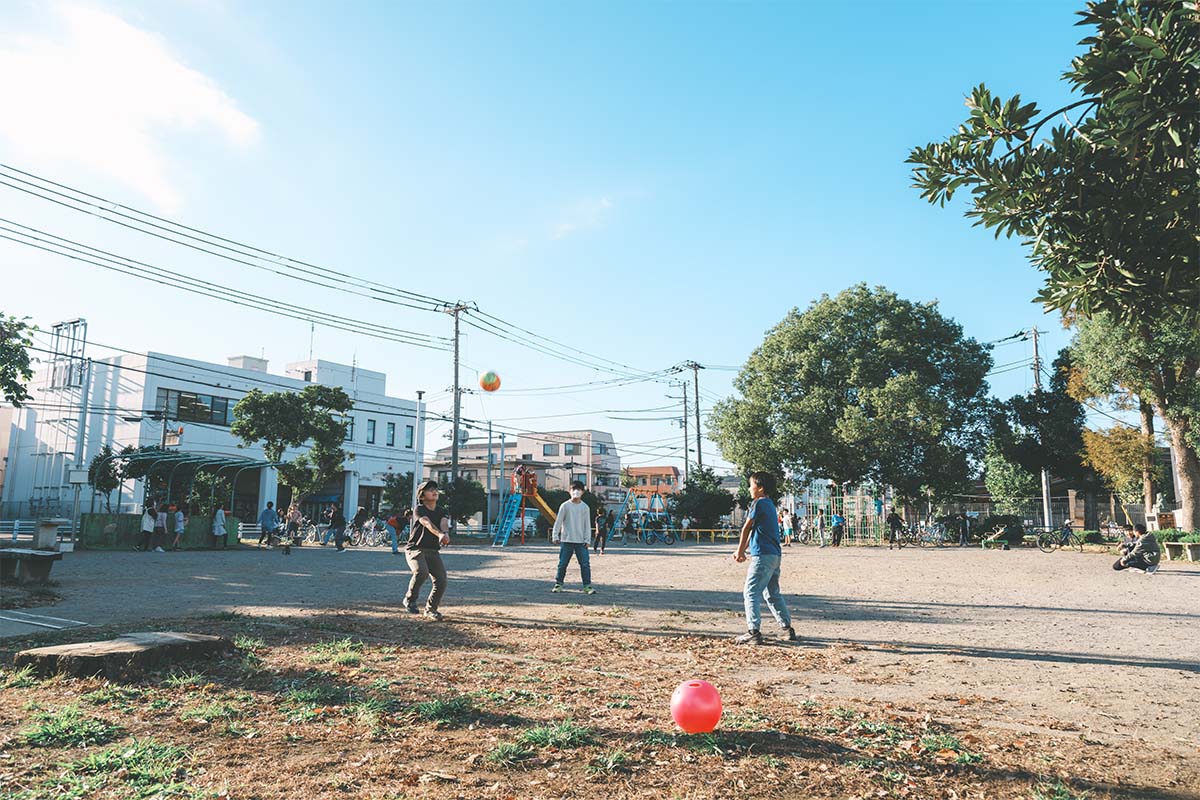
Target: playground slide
pixel 537 498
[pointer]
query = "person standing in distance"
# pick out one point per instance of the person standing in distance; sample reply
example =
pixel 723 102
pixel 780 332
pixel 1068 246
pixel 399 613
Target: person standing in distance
pixel 430 533
pixel 760 542
pixel 572 533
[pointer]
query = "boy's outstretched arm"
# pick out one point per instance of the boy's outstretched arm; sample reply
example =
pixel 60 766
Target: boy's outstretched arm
pixel 744 541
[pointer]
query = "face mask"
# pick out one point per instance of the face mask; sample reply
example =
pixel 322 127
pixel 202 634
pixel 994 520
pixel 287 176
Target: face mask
pixel 576 494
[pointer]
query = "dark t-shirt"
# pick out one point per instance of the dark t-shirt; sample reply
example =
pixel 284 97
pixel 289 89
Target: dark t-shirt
pixel 337 520
pixel 422 538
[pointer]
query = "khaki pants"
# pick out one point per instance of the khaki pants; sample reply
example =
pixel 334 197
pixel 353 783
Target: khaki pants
pixel 425 564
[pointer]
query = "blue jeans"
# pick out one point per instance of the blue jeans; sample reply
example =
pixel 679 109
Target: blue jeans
pixel 336 533
pixel 762 582
pixel 395 542
pixel 580 551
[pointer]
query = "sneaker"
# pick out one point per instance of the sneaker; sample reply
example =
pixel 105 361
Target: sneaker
pixel 750 637
pixel 413 609
pixel 340 550
pixel 137 548
pixel 588 590
pixel 790 634
pixel 433 614
pixel 557 588
pixel 159 550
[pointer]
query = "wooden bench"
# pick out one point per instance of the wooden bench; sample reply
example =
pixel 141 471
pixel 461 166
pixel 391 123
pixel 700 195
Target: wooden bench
pixel 34 564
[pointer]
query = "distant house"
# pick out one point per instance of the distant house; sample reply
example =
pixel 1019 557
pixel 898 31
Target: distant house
pixel 655 480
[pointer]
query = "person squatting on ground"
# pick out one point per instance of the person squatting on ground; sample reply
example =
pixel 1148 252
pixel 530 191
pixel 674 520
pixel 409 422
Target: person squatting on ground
pixel 760 540
pixel 430 532
pixel 268 521
pixel 572 533
pixel 1144 554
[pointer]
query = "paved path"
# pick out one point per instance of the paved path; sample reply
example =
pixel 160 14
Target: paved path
pixel 1036 638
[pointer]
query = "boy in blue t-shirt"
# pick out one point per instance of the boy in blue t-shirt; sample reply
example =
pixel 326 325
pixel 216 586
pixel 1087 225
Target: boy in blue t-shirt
pixel 760 538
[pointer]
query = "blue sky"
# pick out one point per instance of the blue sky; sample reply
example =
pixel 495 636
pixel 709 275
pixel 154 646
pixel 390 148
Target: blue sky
pixel 649 182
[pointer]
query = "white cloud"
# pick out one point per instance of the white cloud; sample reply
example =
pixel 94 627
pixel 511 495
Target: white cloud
pixel 101 93
pixel 585 215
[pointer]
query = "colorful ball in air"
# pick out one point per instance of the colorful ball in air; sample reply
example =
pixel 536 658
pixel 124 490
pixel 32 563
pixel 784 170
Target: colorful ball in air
pixel 696 706
pixel 489 381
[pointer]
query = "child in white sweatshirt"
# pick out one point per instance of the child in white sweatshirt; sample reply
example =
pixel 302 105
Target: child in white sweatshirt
pixel 573 533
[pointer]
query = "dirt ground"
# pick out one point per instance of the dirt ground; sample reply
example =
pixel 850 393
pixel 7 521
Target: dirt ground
pixel 922 673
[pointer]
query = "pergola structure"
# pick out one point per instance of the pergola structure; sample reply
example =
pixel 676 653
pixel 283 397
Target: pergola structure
pixel 171 460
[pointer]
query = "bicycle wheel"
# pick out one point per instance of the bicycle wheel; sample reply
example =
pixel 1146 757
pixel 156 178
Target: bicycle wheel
pixel 1075 543
pixel 651 537
pixel 1047 542
pixel 805 538
pixel 668 538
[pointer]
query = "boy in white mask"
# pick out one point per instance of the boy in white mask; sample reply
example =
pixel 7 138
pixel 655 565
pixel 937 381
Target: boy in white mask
pixel 573 533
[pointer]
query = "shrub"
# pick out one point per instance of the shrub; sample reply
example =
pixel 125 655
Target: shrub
pixel 1091 537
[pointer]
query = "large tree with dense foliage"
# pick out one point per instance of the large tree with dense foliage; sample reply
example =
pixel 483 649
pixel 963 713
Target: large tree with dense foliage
pixel 398 490
pixel 1118 454
pixel 1010 484
pixel 281 420
pixel 1157 362
pixel 702 499
pixel 16 336
pixel 1108 204
pixel 104 474
pixel 864 386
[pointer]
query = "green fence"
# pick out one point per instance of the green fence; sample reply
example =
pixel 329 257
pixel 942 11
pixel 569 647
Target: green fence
pixel 124 531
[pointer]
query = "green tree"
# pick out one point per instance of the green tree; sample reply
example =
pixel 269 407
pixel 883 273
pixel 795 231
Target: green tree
pixel 1156 361
pixel 1044 429
pixel 464 499
pixel 702 499
pixel 313 417
pixel 16 335
pixel 1118 454
pixel 104 474
pixel 861 386
pixel 398 490
pixel 1010 484
pixel 208 490
pixel 1108 204
pixel 628 480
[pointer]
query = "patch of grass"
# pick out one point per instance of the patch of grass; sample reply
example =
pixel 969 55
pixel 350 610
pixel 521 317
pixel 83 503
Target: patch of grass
pixel 251 662
pixel 224 616
pixel 748 720
pixel 149 768
pixel 940 741
pixel 847 714
pixel 610 762
pixel 22 678
pixel 658 739
pixel 703 743
pixel 116 696
pixel 454 710
pixel 343 652
pixel 1057 791
pixel 968 758
pixel 216 711
pixel 564 735
pixel 67 727
pixel 370 713
pixel 249 643
pixel 771 762
pixel 184 680
pixel 508 754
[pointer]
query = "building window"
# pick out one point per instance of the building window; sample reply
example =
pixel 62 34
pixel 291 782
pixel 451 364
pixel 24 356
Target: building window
pixel 527 457
pixel 391 434
pixel 191 407
pixel 599 449
pixel 408 436
pixel 668 481
pixel 370 431
pixel 581 477
pixel 642 480
pixel 571 449
pixel 308 376
pixel 349 428
pixel 444 478
pixel 549 449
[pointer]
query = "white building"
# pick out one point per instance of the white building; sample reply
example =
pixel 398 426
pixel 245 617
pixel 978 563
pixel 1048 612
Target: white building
pixel 127 395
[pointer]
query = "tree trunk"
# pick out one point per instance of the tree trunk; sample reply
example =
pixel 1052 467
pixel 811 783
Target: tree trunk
pixel 1147 414
pixel 1187 466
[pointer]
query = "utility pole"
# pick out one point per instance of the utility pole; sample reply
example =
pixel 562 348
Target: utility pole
pixel 695 368
pixel 1037 382
pixel 418 445
pixel 487 506
pixel 685 432
pixel 503 484
pixel 455 310
pixel 80 432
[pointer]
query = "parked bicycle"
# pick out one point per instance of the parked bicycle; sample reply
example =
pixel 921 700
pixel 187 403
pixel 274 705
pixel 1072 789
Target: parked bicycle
pixel 1051 540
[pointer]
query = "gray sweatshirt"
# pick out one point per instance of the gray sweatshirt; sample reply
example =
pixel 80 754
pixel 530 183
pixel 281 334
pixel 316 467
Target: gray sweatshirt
pixel 1146 549
pixel 574 523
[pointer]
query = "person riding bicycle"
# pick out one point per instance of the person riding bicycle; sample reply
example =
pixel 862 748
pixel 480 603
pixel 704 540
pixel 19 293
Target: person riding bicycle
pixel 895 524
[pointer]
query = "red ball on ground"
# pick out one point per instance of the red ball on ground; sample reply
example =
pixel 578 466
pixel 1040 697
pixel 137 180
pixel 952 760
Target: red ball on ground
pixel 489 381
pixel 696 706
